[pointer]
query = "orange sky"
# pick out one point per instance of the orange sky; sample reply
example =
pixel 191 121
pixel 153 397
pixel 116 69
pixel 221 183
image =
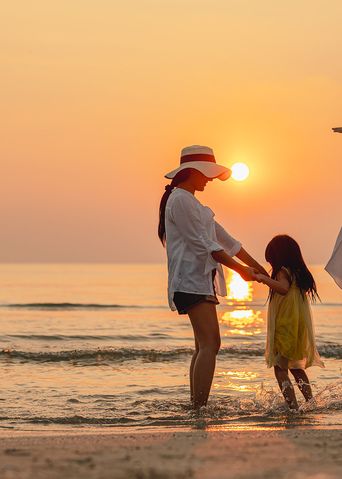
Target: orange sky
pixel 99 97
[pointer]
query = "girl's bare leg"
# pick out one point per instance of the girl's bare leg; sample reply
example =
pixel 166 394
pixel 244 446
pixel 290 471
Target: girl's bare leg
pixel 204 321
pixel 303 383
pixel 192 364
pixel 286 387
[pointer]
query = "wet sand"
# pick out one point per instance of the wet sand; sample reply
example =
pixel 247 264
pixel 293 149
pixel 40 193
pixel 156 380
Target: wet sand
pixel 295 454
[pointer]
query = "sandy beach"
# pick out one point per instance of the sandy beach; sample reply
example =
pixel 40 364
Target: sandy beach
pixel 295 454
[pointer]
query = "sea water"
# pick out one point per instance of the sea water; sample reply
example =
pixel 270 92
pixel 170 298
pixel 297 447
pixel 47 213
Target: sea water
pixel 95 345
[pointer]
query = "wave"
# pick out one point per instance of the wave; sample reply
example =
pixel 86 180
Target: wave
pixel 86 337
pixel 98 355
pixel 72 420
pixel 265 407
pixel 330 350
pixel 231 304
pixel 67 306
pixel 101 356
pixel 72 306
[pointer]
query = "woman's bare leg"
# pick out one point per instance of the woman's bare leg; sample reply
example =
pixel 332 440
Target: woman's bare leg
pixel 192 364
pixel 303 383
pixel 286 387
pixel 204 321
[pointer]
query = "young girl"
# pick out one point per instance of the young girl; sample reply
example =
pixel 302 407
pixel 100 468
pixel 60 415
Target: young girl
pixel 290 335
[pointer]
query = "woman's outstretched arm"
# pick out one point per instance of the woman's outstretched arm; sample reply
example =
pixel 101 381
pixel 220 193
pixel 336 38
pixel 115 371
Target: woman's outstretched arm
pixel 250 261
pixel 248 274
pixel 234 248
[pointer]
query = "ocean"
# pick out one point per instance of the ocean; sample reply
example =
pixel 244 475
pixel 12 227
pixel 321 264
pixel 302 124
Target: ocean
pixel 96 346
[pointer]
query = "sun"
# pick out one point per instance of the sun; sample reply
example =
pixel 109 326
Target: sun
pixel 240 171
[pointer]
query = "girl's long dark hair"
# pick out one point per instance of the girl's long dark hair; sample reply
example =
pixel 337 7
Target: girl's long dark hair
pixel 284 251
pixel 181 176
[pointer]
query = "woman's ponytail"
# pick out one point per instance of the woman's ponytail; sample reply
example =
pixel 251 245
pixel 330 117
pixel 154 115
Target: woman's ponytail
pixel 181 176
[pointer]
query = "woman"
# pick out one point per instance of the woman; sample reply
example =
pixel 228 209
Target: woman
pixel 196 247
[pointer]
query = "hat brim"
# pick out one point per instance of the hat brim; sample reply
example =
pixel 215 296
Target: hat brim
pixel 209 169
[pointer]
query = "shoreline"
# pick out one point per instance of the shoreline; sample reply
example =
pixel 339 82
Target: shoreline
pixel 260 453
pixel 7 432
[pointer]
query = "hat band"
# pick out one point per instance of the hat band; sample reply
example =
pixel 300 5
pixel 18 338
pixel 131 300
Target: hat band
pixel 198 157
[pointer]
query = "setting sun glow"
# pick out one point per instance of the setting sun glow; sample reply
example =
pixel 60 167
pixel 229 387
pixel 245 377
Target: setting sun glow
pixel 240 171
pixel 237 288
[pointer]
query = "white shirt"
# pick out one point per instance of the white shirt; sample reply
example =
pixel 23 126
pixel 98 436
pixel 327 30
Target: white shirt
pixel 334 266
pixel 192 235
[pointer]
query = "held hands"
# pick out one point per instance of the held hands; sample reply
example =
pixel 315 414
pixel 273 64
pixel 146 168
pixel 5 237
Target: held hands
pixel 249 274
pixel 252 274
pixel 261 278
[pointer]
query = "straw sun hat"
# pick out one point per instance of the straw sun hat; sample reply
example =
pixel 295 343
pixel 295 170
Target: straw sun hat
pixel 200 158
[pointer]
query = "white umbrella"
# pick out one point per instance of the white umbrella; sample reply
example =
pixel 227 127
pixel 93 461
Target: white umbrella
pixel 334 266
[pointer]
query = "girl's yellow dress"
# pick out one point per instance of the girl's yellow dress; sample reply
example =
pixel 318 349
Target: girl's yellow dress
pixel 290 333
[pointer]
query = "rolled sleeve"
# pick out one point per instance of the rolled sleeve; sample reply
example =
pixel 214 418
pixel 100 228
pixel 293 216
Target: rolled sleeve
pixel 230 245
pixel 188 221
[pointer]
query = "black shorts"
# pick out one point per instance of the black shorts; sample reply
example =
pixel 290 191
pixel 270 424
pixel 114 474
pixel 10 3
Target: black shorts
pixel 185 301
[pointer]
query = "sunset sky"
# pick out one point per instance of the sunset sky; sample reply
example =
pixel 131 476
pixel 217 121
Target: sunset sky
pixel 99 97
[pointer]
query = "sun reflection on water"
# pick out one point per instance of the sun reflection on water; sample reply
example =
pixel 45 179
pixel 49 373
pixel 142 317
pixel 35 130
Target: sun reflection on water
pixel 236 380
pixel 242 322
pixel 238 290
pixel 243 427
pixel 241 375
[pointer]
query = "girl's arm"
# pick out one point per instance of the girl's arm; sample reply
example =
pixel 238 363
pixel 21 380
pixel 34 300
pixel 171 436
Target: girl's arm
pixel 250 261
pixel 281 284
